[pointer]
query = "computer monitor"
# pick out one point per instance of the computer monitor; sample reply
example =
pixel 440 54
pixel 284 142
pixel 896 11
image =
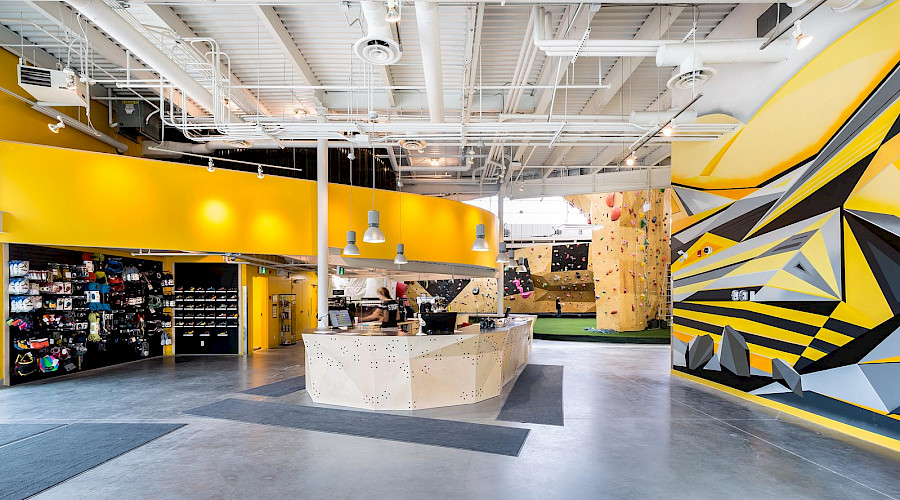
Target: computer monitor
pixel 439 323
pixel 340 318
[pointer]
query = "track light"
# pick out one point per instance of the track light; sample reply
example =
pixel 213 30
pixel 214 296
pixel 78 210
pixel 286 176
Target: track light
pixel 502 256
pixel 259 172
pixel 630 160
pixel 300 112
pixel 393 11
pixel 802 40
pixel 351 249
pixel 210 167
pixel 667 131
pixel 400 258
pixel 54 127
pixel 480 244
pixel 373 234
pixel 435 162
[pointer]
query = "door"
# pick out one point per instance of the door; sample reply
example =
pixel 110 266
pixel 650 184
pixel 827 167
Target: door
pixel 259 326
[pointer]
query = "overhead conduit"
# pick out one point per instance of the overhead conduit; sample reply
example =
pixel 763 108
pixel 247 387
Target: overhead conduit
pixel 121 31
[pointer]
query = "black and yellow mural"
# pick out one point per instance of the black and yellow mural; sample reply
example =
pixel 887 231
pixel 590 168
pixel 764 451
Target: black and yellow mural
pixel 786 240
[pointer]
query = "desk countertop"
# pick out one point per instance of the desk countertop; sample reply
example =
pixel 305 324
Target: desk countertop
pixel 389 332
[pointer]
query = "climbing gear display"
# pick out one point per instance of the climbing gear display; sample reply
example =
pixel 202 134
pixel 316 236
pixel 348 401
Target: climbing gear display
pixel 72 311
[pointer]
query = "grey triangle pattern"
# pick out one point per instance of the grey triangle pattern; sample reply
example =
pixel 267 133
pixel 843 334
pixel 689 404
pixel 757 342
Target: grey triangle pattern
pixel 883 378
pixel 695 201
pixel 847 383
pixel 888 348
pixel 888 222
pixel 773 388
pixel 802 268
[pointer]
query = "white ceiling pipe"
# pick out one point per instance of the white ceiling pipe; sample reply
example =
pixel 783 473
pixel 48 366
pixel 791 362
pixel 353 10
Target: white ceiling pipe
pixel 171 149
pixel 840 5
pixel 724 51
pixel 121 31
pixel 428 21
pixel 658 117
pixel 376 24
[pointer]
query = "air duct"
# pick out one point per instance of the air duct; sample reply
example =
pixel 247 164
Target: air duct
pixel 378 46
pixel 124 33
pixel 428 21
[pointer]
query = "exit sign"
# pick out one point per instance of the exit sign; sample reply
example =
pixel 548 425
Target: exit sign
pixel 262 270
pixel 340 270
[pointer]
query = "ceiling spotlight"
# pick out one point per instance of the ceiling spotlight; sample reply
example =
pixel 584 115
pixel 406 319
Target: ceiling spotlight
pixel 210 167
pixel 480 244
pixel 435 162
pixel 400 258
pixel 54 127
pixel 300 112
pixel 393 11
pixel 259 172
pixel 351 249
pixel 667 131
pixel 502 256
pixel 802 40
pixel 351 155
pixel 373 234
pixel 630 160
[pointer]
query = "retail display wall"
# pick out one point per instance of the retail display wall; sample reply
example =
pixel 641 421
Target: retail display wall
pixel 207 305
pixel 786 243
pixel 70 311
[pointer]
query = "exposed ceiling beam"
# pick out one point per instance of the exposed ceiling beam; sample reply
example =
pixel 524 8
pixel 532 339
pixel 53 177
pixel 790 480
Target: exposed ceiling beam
pixel 655 26
pixel 276 28
pixel 656 156
pixel 244 98
pixel 63 16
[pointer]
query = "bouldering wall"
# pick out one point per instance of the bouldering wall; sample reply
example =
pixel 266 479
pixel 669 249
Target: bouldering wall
pixel 463 295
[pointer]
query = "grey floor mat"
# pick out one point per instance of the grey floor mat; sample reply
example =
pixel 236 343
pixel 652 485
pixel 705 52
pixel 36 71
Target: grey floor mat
pixel 495 439
pixel 281 388
pixel 32 465
pixel 10 433
pixel 536 397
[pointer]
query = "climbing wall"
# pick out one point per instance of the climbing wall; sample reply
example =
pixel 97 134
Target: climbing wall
pixel 629 255
pixel 620 275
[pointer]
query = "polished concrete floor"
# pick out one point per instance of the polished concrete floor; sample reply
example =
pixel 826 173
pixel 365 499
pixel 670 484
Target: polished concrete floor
pixel 631 431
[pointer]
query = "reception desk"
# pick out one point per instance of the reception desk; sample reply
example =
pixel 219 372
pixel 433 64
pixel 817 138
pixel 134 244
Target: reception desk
pixel 386 371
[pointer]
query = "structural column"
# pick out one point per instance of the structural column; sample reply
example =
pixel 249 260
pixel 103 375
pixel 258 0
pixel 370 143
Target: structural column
pixel 322 248
pixel 500 307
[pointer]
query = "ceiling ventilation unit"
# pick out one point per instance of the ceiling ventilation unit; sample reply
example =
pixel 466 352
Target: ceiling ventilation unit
pixel 691 73
pixel 52 87
pixel 413 145
pixel 377 50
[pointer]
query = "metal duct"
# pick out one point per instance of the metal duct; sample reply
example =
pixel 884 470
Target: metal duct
pixel 428 21
pixel 723 52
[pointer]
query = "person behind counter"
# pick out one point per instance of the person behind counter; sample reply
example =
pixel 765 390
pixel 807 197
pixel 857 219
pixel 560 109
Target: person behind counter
pixel 387 312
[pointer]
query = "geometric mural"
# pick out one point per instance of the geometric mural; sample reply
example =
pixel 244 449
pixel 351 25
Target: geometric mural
pixel 789 258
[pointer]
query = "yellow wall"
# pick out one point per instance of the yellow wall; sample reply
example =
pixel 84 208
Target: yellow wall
pixel 23 124
pixel 155 204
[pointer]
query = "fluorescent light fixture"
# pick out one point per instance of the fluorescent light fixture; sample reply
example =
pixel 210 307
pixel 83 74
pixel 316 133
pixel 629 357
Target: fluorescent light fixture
pixel 373 234
pixel 400 258
pixel 581 227
pixel 480 245
pixel 54 127
pixel 351 249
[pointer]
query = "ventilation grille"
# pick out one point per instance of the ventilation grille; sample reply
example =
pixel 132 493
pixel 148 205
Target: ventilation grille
pixel 34 76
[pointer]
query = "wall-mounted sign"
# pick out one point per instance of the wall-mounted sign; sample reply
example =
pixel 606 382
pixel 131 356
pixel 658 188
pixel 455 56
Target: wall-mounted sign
pixel 340 270
pixel 262 270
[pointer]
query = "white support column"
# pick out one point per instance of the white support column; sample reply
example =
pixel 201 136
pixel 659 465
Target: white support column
pixel 322 249
pixel 500 307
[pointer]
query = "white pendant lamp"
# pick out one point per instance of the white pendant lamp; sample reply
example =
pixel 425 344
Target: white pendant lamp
pixel 373 233
pixel 521 268
pixel 480 244
pixel 351 250
pixel 400 258
pixel 502 256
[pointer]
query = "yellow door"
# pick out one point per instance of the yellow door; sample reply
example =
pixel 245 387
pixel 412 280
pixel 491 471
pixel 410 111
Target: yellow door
pixel 259 326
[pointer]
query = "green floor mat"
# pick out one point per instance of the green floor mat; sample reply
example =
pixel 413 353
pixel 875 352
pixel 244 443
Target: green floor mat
pixel 574 329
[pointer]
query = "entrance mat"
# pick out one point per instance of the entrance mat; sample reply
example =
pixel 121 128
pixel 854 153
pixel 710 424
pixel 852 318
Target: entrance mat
pixel 536 397
pixel 463 435
pixel 278 389
pixel 32 465
pixel 10 433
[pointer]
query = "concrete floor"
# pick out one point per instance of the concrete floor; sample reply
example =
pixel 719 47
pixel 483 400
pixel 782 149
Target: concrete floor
pixel 631 431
